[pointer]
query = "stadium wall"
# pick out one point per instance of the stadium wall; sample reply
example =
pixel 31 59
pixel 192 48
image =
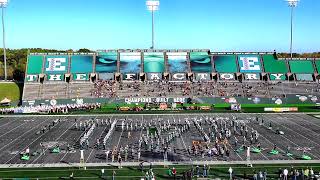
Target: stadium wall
pixel 154 65
pixel 173 65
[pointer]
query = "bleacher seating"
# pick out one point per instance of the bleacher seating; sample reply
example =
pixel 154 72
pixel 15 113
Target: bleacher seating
pixel 76 82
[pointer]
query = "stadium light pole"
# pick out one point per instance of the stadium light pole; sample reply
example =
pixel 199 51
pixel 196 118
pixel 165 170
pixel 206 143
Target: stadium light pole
pixel 292 5
pixel 3 4
pixel 153 5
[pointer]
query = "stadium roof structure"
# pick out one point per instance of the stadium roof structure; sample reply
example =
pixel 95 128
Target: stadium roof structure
pixel 155 50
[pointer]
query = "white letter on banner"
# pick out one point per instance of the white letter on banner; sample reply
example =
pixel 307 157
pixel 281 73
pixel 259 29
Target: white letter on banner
pixel 129 76
pixel 154 76
pixel 81 77
pixel 251 76
pixel 55 77
pixel 55 64
pixel 31 78
pixel 202 75
pixel 277 76
pixel 226 76
pixel 248 63
pixel 179 76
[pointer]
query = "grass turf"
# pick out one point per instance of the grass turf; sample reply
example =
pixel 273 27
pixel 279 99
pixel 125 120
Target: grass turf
pixel 218 108
pixel 12 91
pixel 220 171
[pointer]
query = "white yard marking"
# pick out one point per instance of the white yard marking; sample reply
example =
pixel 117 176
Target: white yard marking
pixel 181 137
pixel 271 144
pixel 27 146
pixel 93 147
pixel 296 133
pixel 12 130
pixel 292 141
pixel 232 147
pixel 75 142
pixel 54 140
pixel 19 137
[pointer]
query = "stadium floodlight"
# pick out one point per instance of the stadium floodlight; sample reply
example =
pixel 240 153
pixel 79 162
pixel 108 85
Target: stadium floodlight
pixel 3 4
pixel 153 5
pixel 292 5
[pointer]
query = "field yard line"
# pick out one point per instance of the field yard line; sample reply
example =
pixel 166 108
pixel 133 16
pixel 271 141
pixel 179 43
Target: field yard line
pixel 119 114
pixel 27 146
pixel 185 147
pixel 99 137
pixel 65 169
pixel 22 135
pixel 293 142
pixel 120 135
pixel 223 166
pixel 141 127
pixel 75 141
pixel 314 133
pixel 55 140
pixel 232 147
pixel 269 142
pixel 10 121
pixel 302 118
pixel 12 129
pixel 82 177
pixel 296 133
pixel 161 163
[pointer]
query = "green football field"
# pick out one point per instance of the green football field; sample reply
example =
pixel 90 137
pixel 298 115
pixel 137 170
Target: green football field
pixel 218 108
pixel 12 91
pixel 161 172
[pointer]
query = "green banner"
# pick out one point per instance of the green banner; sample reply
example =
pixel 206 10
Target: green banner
pixel 35 64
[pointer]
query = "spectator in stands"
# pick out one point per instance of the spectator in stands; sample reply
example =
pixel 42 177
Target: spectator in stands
pixel 62 108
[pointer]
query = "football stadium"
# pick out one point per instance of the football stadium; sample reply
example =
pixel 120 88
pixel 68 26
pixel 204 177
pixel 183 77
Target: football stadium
pixel 153 113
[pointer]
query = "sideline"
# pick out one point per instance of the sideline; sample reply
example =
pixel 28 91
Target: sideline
pixel 161 163
pixel 160 114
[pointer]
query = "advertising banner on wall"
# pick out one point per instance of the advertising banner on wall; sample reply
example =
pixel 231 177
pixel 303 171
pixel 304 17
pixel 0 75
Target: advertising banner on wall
pixel 81 64
pixel 34 64
pixel 177 62
pixel 283 109
pixel 277 77
pixel 130 62
pixel 249 63
pixel 225 63
pixel 202 76
pixel 154 76
pixel 154 62
pixel 200 62
pixel 107 62
pixel 304 77
pixel 106 76
pixel 179 77
pixel 56 64
pixel 130 77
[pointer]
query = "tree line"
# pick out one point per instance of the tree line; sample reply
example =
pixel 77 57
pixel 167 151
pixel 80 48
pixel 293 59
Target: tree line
pixel 17 59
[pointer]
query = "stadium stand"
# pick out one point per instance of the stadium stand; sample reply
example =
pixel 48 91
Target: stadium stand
pixel 121 74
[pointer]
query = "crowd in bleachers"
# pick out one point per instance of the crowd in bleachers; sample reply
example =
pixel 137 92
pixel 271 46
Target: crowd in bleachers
pixel 103 89
pixel 202 89
pixel 114 89
pixel 62 108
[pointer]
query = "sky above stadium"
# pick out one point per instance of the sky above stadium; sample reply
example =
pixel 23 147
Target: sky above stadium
pixel 220 25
